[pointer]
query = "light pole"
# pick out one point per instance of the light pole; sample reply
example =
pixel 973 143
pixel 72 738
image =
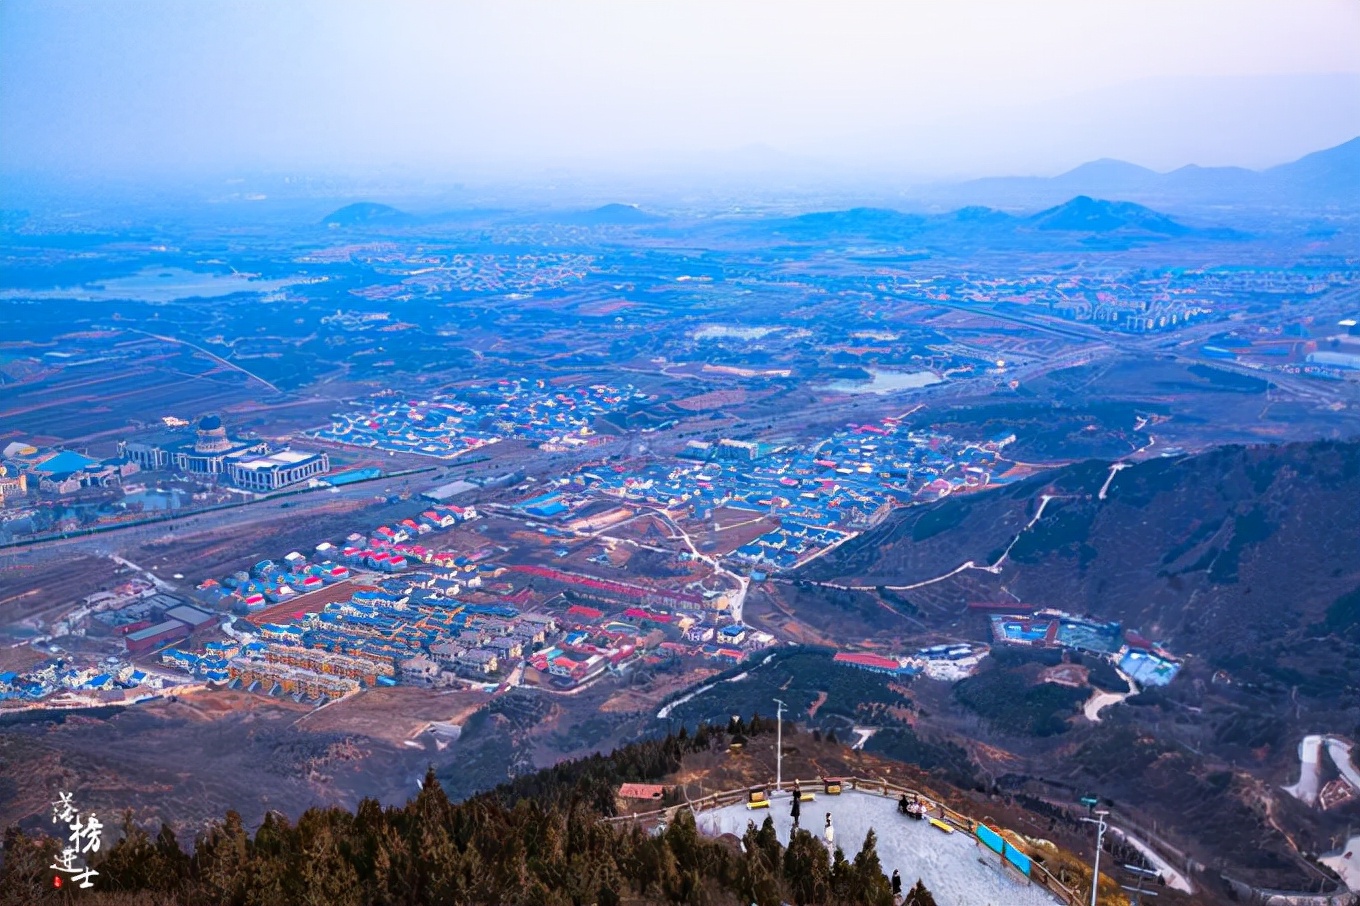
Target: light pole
pixel 779 745
pixel 1099 822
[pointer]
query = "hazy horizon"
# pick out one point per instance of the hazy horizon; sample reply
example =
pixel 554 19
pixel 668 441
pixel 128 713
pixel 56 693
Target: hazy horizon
pixel 437 95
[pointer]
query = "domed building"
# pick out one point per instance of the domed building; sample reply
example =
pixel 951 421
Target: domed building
pixel 248 464
pixel 212 436
pixel 206 454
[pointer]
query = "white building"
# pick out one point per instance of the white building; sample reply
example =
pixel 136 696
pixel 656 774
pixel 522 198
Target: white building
pixel 277 470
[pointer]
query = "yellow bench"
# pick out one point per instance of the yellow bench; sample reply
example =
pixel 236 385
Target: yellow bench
pixel 940 825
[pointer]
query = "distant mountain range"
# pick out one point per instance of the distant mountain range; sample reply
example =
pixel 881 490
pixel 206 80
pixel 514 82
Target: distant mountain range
pixel 372 214
pixel 1078 221
pixel 1322 180
pixel 1105 201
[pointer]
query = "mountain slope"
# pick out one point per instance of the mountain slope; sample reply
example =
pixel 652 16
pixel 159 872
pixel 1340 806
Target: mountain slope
pixel 1330 174
pixel 611 215
pixel 1239 555
pixel 1243 561
pixel 1326 179
pixel 867 223
pixel 1086 214
pixel 367 213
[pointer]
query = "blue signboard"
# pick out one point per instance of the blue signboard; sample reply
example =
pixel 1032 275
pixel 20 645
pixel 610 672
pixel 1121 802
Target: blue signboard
pixel 1018 860
pixel 990 838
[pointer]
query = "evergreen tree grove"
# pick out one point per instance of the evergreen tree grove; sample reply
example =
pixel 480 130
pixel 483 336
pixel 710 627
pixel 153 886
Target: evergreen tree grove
pixel 539 841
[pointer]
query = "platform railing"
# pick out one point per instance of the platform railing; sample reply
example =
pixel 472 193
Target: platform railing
pixel 1038 873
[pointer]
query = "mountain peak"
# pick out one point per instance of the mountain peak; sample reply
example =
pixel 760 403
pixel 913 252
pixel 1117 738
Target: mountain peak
pixel 367 213
pixel 614 214
pixel 1094 215
pixel 1108 168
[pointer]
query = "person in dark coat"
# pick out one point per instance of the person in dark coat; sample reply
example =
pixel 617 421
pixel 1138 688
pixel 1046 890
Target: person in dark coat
pixel 896 884
pixel 797 808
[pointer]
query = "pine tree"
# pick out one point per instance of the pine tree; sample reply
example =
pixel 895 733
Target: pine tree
pixel 130 863
pixel 768 841
pixel 918 896
pixel 807 869
pixel 869 886
pixel 842 877
pixel 758 880
pixel 538 841
pixel 25 879
pixel 172 862
pixel 682 836
pixel 222 862
pixel 325 876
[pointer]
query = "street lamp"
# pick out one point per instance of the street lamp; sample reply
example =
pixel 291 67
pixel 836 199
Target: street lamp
pixel 779 745
pixel 1101 826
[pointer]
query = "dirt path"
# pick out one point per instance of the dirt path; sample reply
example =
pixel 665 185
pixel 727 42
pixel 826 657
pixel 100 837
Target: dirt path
pixel 812 709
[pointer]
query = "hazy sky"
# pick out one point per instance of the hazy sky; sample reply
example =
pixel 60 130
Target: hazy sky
pixel 920 90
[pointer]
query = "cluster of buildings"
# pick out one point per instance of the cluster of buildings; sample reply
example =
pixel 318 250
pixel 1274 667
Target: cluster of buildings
pixel 139 614
pixel 1137 302
pixel 440 626
pixel 820 495
pixel 1140 659
pixel 135 613
pixel 610 590
pixel 27 469
pixel 1294 349
pixel 393 610
pixel 210 454
pixel 387 549
pixel 947 663
pixel 425 274
pixel 87 685
pixel 1139 315
pixel 451 424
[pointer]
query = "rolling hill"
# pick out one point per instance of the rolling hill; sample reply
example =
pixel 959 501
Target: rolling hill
pixel 1076 223
pixel 1243 556
pixel 611 215
pixel 1086 214
pixel 367 213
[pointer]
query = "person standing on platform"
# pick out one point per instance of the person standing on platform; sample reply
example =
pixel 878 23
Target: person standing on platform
pixel 796 808
pixel 829 832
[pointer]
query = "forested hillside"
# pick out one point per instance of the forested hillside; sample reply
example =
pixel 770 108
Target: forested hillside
pixel 539 841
